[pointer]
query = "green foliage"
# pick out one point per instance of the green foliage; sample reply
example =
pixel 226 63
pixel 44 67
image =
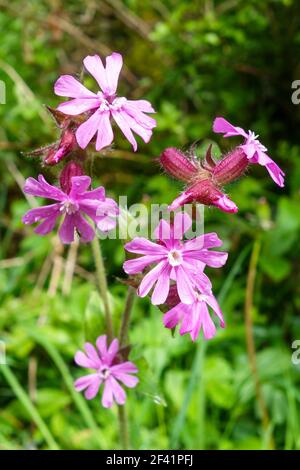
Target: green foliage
pixel 193 60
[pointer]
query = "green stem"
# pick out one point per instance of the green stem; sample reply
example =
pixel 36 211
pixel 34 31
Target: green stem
pixel 126 316
pixel 102 286
pixel 123 427
pixel 30 408
pixel 123 421
pixel 250 340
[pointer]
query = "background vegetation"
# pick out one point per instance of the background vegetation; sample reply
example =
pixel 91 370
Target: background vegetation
pixel 193 60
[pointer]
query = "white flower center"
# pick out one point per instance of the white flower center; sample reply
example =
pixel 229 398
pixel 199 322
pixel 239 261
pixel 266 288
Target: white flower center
pixel 110 102
pixel 201 297
pixel 69 207
pixel 175 258
pixel 253 139
pixel 104 372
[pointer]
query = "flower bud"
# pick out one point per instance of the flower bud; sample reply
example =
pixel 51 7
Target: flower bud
pixel 71 169
pixel 66 145
pixel 177 164
pixel 231 167
pixel 206 193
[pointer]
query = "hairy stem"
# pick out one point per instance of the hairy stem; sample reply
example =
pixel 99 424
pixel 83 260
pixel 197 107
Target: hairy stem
pixel 102 286
pixel 250 338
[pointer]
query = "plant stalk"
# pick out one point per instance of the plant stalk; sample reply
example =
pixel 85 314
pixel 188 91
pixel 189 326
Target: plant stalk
pixel 250 339
pixel 102 286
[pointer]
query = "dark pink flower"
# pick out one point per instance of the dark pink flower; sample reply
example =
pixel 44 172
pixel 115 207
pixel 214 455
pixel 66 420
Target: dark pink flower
pixel 195 316
pixel 252 148
pixel 108 371
pixel 129 115
pixel 175 260
pixel 72 206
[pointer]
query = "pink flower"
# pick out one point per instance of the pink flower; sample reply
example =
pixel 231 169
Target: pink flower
pixel 253 149
pixel 195 316
pixel 104 105
pixel 108 370
pixel 176 260
pixel 72 206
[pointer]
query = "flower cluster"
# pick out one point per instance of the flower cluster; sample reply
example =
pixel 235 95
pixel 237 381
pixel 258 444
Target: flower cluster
pixel 205 179
pixel 171 269
pixel 181 263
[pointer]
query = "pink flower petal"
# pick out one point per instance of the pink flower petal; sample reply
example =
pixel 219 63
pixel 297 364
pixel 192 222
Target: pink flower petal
pixel 82 360
pixel 144 132
pixel 84 382
pixel 222 126
pixel 142 105
pixel 212 302
pixel 92 353
pixel 78 106
pixel 79 185
pixel 161 290
pixel 125 368
pixel 143 246
pixel 112 351
pixel 107 397
pixel 134 266
pixel 101 345
pixel 174 315
pixel 128 380
pixel 47 225
pixel 93 388
pixel 88 129
pixel 120 118
pixel 118 392
pixel 41 188
pixel 66 231
pixel 209 329
pixel 182 223
pixel 50 213
pixel 68 86
pixel 114 63
pixel 94 66
pixel 214 259
pixel 139 117
pixel 184 281
pixel 207 240
pixel 105 134
pixel 150 279
pixel 86 232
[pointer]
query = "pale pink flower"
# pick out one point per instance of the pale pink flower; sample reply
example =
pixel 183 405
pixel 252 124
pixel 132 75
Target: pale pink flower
pixel 72 207
pixel 252 147
pixel 195 316
pixel 109 371
pixel 175 260
pixel 129 115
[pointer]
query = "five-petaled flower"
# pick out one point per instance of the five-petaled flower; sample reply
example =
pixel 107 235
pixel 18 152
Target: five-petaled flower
pixel 175 259
pixel 129 115
pixel 72 206
pixel 252 148
pixel 108 370
pixel 195 316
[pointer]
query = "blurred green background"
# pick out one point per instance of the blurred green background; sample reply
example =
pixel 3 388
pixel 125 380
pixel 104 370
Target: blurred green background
pixel 193 60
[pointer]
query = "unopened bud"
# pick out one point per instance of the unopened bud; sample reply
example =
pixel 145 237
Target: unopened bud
pixel 231 167
pixel 71 169
pixel 204 192
pixel 66 145
pixel 177 164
